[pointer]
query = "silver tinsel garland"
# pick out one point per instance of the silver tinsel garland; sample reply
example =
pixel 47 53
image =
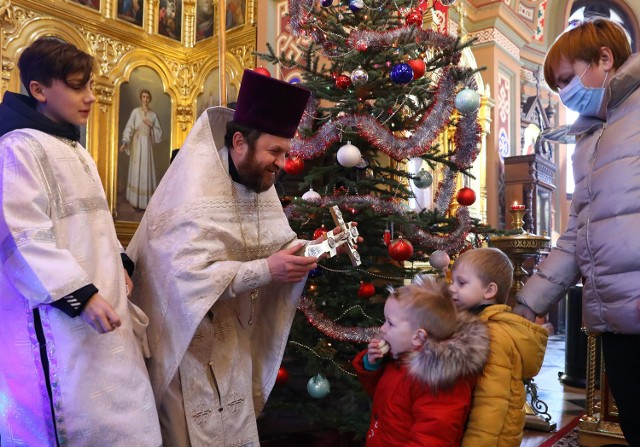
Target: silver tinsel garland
pixel 332 329
pixel 380 138
pixel 297 10
pixel 399 36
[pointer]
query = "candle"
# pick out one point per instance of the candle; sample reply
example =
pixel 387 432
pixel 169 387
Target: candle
pixel 517 207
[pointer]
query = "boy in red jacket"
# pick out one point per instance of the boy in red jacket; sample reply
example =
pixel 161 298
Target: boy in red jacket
pixel 422 389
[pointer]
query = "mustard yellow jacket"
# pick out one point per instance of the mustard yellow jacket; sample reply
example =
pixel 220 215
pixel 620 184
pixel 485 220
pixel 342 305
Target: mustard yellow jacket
pixel 516 352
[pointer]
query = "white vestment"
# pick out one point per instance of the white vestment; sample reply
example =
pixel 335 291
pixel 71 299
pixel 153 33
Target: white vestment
pixel 200 252
pixel 56 236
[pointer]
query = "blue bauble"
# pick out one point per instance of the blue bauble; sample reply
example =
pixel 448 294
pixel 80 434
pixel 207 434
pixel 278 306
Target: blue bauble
pixel 326 3
pixel 467 100
pixel 314 273
pixel 401 74
pixel 356 5
pixel 318 386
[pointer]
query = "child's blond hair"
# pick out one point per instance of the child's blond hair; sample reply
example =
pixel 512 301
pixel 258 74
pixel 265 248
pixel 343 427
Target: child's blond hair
pixel 490 265
pixel 428 304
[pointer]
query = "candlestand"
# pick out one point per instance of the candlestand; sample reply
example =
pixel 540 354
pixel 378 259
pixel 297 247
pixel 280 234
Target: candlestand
pixel 519 247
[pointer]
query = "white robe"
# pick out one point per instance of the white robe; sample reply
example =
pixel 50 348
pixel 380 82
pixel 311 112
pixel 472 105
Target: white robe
pixel 141 179
pixel 57 235
pixel 190 260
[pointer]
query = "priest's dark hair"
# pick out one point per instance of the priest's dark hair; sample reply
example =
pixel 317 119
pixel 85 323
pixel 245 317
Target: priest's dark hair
pixel 250 135
pixel 51 58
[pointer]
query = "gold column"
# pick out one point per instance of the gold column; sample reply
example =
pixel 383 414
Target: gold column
pixel 222 51
pixel 7 22
pixel 152 8
pixel 108 8
pixel 484 119
pixel 189 23
pixel 102 122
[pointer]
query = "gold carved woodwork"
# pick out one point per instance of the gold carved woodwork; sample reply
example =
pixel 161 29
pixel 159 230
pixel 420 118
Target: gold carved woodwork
pixel 183 116
pixel 121 48
pixel 107 51
pixel 104 95
pixel 244 53
pixel 184 74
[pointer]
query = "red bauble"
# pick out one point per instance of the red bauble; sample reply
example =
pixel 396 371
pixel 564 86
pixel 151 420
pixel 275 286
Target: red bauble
pixel 366 290
pixel 400 249
pixel 319 232
pixel 418 66
pixel 414 17
pixel 294 165
pixel 263 71
pixel 466 196
pixel 343 82
pixel 282 377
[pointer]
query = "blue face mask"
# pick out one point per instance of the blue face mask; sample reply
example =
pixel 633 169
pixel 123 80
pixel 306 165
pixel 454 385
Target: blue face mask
pixel 584 100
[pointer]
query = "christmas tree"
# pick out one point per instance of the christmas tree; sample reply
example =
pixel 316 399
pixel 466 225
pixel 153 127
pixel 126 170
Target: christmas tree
pixel 383 89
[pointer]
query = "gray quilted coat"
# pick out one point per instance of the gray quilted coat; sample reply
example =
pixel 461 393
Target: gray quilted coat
pixel 602 241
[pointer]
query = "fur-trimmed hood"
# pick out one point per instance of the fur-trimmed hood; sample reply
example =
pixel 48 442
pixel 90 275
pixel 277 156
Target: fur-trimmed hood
pixel 441 363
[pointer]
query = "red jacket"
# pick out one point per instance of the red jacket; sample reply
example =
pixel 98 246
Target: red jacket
pixel 424 400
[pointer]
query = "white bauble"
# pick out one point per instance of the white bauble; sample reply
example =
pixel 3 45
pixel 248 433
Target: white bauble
pixel 359 76
pixel 439 259
pixel 467 100
pixel 310 195
pixel 349 155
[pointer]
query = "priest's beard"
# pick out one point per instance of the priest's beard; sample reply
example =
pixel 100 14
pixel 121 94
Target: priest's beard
pixel 252 174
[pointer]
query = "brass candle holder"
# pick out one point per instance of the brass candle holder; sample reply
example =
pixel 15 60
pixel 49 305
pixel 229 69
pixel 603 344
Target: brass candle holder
pixel 519 247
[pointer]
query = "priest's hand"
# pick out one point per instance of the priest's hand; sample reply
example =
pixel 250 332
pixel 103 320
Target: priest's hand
pixel 287 266
pixel 342 249
pixel 100 315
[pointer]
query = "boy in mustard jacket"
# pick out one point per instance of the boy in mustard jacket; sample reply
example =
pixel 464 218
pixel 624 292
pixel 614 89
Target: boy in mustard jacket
pixel 481 279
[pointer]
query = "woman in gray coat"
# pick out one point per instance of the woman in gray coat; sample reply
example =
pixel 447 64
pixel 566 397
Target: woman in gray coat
pixel 592 68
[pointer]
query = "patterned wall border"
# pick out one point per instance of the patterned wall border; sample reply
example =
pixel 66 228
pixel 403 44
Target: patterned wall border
pixel 491 35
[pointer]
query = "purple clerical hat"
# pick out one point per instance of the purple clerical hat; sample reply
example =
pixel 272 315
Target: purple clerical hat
pixel 270 105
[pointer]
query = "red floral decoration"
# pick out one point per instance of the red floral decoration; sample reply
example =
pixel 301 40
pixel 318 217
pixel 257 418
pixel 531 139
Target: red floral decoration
pixel 414 17
pixel 343 82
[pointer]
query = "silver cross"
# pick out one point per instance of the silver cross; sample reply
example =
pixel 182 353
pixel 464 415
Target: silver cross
pixel 348 235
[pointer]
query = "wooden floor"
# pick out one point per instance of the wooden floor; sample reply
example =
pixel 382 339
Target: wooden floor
pixel 564 402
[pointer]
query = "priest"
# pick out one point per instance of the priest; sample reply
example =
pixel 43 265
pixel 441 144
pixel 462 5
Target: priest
pixel 219 270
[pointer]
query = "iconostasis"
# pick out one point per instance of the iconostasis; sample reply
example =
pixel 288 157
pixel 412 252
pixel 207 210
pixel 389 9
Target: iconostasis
pixel 168 50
